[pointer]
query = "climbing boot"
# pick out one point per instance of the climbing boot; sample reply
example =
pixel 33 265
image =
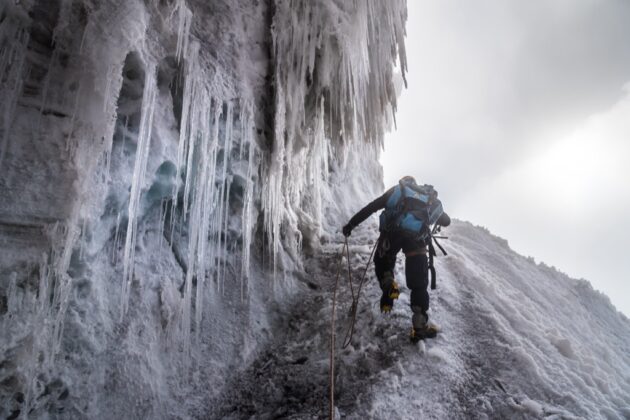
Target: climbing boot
pixel 394 291
pixel 387 303
pixel 421 328
pixel 390 292
pixel 420 333
pixel 389 285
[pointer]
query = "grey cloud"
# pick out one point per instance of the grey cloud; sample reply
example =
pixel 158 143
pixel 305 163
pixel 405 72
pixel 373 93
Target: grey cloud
pixel 491 84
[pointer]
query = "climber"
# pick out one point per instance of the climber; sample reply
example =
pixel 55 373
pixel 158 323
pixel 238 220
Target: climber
pixel 410 210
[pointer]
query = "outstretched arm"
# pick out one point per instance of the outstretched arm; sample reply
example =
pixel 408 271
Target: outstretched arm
pixel 366 212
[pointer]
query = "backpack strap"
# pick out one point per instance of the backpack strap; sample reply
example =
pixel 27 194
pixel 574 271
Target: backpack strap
pixel 432 254
pixel 431 267
pixel 403 205
pixel 439 246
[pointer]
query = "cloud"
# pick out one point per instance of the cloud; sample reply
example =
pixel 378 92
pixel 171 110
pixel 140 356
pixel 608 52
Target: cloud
pixel 515 111
pixel 568 205
pixel 486 78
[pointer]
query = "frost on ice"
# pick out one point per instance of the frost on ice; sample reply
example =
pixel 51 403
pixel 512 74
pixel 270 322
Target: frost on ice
pixel 334 91
pixel 164 165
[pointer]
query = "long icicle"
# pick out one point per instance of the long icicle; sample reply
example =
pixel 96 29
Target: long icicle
pixel 139 171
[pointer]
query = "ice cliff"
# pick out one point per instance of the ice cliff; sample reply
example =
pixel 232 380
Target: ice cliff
pixel 165 166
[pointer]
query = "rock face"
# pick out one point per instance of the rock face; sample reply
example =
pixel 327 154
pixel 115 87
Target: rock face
pixel 165 165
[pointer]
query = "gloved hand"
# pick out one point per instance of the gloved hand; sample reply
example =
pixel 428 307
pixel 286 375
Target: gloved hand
pixel 347 230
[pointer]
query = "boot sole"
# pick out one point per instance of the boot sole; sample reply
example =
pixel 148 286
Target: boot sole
pixel 415 339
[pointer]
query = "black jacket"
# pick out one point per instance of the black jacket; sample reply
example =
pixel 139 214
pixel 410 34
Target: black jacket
pixel 379 204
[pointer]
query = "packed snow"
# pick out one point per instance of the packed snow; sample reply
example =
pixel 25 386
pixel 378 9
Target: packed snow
pixel 517 340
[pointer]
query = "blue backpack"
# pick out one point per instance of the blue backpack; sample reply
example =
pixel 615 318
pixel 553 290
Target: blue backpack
pixel 411 208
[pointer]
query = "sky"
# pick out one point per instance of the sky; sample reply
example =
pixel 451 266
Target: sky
pixel 518 112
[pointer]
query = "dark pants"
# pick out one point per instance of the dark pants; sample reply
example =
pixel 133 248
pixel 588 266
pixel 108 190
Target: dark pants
pixel 416 266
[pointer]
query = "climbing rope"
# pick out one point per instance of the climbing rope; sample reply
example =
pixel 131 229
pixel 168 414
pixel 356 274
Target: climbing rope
pixel 332 337
pixel 353 311
pixel 355 300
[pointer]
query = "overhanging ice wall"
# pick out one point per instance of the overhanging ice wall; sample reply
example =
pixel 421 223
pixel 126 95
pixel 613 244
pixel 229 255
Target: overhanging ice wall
pixel 164 166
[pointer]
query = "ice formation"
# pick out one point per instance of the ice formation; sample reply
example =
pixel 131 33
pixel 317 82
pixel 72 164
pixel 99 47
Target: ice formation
pixel 139 173
pixel 341 75
pixel 165 164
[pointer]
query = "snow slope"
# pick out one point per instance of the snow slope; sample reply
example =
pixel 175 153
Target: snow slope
pixel 518 340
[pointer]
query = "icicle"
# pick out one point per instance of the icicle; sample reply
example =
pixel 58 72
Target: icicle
pixel 188 183
pixel 12 297
pixel 204 116
pixel 12 76
pixel 204 190
pixel 124 136
pixel 190 81
pixel 162 221
pixel 222 267
pixel 272 197
pixel 244 125
pixel 142 154
pixel 186 308
pixel 318 166
pixel 246 225
pixel 183 28
pixel 214 229
pixel 352 59
pixel 116 241
pixel 223 196
pixel 213 198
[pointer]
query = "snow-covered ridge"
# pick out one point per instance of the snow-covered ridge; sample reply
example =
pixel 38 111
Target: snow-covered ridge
pixel 518 340
pixel 164 166
pixel 561 347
